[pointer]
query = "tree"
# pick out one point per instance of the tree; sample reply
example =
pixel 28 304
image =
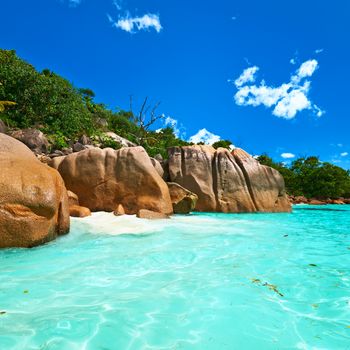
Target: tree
pixel 43 99
pixel 312 178
pixel 222 143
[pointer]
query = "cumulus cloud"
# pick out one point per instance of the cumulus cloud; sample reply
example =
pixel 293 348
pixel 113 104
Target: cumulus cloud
pixel 248 76
pixel 287 155
pixel 319 51
pixel 286 100
pixel 203 135
pixel 306 69
pixel 168 121
pixel 133 24
pixel 344 154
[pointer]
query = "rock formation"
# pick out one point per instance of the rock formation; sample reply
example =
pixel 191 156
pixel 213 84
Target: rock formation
pixel 227 182
pixel 32 138
pixel 105 178
pixel 150 215
pixel 184 201
pixel 79 212
pixel 75 209
pixel 33 198
pixel 3 127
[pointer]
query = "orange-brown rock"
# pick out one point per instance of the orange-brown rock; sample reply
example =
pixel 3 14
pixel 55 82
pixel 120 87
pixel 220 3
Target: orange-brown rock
pixel 79 212
pixel 32 138
pixel 183 200
pixel 119 210
pixel 151 215
pixel 299 200
pixel 72 198
pixel 316 202
pixel 337 201
pixel 33 198
pixel 226 182
pixel 104 178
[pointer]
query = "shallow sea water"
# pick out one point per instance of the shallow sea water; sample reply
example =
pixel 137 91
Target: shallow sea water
pixel 202 281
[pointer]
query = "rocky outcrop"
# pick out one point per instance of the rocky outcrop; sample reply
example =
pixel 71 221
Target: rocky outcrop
pixel 184 201
pixel 33 198
pixel 105 178
pixel 119 210
pixel 120 140
pixel 151 215
pixel 227 182
pixel 72 198
pixel 158 167
pixel 79 212
pixel 32 138
pixel 3 127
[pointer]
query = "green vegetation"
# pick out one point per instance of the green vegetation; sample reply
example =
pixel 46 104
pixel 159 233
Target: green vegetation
pixel 312 178
pixel 222 143
pixel 46 101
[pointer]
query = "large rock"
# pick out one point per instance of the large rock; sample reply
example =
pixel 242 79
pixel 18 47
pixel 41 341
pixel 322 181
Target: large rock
pixel 121 140
pixel 104 178
pixel 227 182
pixel 150 215
pixel 33 198
pixel 3 127
pixel 79 212
pixel 32 138
pixel 184 201
pixel 158 167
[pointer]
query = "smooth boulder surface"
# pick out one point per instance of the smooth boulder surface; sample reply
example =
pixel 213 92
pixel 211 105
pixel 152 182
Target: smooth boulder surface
pixel 105 178
pixel 183 200
pixel 151 215
pixel 33 198
pixel 227 182
pixel 78 211
pixel 119 210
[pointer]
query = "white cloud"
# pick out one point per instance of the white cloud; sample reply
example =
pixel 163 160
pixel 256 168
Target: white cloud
pixel 248 76
pixel 293 61
pixel 287 155
pixel 307 69
pixel 131 24
pixel 292 103
pixel 318 110
pixel 117 4
pixel 205 136
pixel 344 154
pixel 319 51
pixel 168 121
pixel 287 99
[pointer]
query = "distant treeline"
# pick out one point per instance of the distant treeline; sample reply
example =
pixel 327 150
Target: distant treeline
pixel 312 178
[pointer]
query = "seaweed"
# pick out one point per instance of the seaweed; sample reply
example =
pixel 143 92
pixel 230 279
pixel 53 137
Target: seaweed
pixel 268 285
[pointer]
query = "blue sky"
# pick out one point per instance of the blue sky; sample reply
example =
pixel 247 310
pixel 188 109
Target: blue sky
pixel 272 76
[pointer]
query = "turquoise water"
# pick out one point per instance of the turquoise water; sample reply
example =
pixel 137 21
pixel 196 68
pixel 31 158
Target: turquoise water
pixel 204 281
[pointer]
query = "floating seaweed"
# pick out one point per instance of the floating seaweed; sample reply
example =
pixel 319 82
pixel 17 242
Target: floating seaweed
pixel 268 285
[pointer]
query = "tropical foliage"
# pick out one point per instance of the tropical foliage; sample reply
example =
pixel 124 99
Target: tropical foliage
pixel 312 178
pixel 47 101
